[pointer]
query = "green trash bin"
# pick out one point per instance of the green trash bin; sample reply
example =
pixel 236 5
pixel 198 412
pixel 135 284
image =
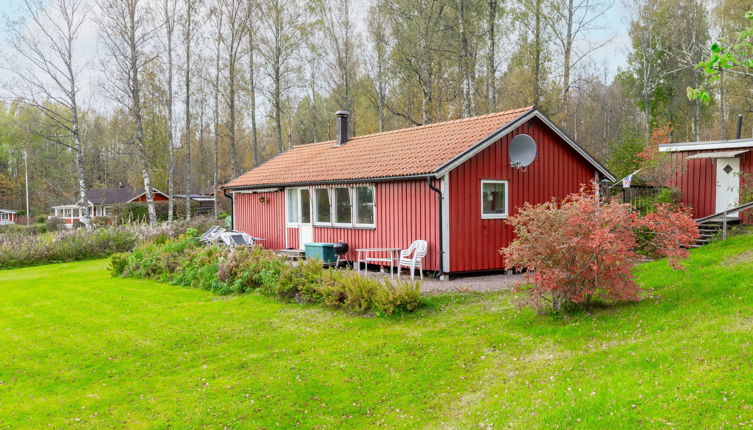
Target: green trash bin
pixel 322 251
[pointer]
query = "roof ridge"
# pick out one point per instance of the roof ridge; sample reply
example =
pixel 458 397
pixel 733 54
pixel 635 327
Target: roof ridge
pixel 425 126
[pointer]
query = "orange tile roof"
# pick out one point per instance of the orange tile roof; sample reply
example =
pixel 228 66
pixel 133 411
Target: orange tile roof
pixel 406 152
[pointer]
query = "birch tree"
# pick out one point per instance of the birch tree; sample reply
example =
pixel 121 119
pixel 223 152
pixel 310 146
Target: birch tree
pixel 282 23
pixel 342 46
pixel 46 42
pixel 168 15
pixel 233 40
pixel 379 61
pixel 571 22
pixel 127 32
pixel 189 32
pixel 252 48
pixel 218 20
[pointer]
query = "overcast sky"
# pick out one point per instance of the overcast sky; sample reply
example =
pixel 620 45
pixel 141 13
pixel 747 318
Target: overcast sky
pixel 614 27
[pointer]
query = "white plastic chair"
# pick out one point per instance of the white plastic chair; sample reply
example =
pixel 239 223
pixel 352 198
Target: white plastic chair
pixel 412 258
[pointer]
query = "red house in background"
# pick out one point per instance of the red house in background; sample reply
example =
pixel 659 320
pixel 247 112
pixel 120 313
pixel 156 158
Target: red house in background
pixel 385 189
pixel 101 201
pixel 709 175
pixel 7 216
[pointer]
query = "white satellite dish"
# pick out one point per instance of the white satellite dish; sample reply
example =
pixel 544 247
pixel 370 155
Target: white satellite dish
pixel 522 150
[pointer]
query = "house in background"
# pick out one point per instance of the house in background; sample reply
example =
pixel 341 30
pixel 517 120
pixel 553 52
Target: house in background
pixel 452 184
pixel 101 201
pixel 710 175
pixel 7 216
pixel 204 202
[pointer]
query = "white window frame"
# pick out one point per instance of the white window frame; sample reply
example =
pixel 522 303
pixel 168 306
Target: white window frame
pixel 297 196
pixel 507 199
pixel 333 202
pixel 314 192
pixel 373 207
pixel 106 211
pixel 300 206
pixel 4 216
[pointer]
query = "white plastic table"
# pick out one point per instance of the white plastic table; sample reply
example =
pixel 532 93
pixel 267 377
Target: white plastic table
pixel 362 256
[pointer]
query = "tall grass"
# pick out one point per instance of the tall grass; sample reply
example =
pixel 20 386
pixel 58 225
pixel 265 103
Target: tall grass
pixel 19 248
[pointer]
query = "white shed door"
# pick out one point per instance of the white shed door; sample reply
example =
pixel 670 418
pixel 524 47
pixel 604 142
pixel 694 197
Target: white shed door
pixel 727 184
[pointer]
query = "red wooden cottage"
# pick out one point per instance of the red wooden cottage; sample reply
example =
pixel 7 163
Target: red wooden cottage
pixel 7 216
pixel 709 175
pixel 384 189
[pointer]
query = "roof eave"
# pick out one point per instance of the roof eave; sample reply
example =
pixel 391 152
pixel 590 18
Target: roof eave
pixel 332 182
pixel 703 146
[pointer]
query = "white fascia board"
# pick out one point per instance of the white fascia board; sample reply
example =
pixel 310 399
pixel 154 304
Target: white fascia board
pixel 704 146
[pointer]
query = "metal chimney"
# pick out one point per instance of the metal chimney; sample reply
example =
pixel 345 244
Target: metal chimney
pixel 739 133
pixel 342 127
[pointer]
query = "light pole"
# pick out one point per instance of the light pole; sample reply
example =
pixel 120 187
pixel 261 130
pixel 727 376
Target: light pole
pixel 26 180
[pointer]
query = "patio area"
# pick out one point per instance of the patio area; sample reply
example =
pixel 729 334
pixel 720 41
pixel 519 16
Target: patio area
pixel 471 283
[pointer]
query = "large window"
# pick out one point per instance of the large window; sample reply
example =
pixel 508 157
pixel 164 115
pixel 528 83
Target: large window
pixel 323 214
pixel 4 216
pixel 343 207
pixel 364 205
pixel 493 199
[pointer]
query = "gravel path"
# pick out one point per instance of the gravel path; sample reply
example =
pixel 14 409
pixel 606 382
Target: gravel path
pixel 479 283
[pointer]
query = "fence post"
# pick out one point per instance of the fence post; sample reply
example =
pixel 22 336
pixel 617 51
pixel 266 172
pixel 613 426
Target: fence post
pixel 724 226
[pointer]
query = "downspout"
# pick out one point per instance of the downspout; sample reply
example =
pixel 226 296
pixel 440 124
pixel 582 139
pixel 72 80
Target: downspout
pixel 441 238
pixel 232 209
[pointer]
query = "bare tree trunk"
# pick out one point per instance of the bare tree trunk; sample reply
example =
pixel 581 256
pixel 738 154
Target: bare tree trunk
pixel 537 48
pixel 465 61
pixel 216 148
pixel 491 61
pixel 567 56
pixel 187 38
pixel 252 95
pixel 169 15
pixel 135 87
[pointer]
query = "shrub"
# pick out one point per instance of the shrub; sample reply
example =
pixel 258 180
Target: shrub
pixel 581 251
pixel 21 229
pixel 54 224
pixel 242 270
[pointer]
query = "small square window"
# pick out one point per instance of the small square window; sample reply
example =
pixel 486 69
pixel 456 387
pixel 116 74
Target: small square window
pixel 493 199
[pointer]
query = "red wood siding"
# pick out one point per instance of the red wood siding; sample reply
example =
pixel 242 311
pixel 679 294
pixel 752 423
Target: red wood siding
pixel 405 211
pixel 557 171
pixel 158 197
pixel 265 220
pixel 695 179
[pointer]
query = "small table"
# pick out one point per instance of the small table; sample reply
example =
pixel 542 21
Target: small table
pixel 393 255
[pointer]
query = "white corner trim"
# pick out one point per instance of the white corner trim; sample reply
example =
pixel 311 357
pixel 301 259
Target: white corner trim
pixel 446 222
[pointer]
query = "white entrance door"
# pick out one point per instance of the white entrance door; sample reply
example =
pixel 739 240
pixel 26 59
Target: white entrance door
pixel 727 184
pixel 305 228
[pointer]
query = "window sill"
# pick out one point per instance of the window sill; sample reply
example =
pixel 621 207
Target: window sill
pixel 493 216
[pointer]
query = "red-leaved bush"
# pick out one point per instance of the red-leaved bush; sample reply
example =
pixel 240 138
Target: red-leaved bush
pixel 583 249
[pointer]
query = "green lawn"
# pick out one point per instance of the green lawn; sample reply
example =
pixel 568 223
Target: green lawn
pixel 80 348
